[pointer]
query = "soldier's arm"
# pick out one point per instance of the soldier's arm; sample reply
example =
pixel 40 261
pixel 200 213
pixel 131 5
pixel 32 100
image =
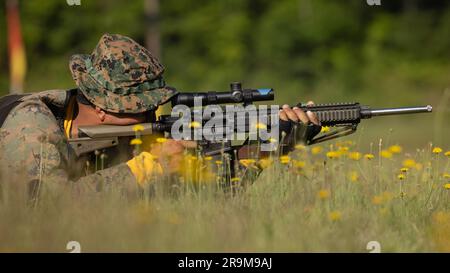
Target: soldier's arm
pixel 33 148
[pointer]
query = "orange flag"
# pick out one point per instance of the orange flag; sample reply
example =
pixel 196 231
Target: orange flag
pixel 17 59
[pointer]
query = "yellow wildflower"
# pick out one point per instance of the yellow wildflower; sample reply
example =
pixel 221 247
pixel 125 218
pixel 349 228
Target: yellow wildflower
pixel 354 176
pixel 235 179
pixel 316 150
pixel 447 154
pixel 395 149
pixel 219 162
pixel 265 162
pixel 332 154
pixel 377 200
pixel 355 156
pixel 447 186
pixel 323 194
pixel 386 154
pixel 207 158
pixel 409 163
pixel 247 162
pixel 300 147
pixel 343 150
pixel 404 169
pixel 401 176
pixel 260 125
pixel 369 156
pixel 285 159
pixel 446 175
pixel 325 129
pixel 138 128
pixel 195 124
pixel 299 164
pixel 335 215
pixel 161 139
pixel 437 150
pixel 136 141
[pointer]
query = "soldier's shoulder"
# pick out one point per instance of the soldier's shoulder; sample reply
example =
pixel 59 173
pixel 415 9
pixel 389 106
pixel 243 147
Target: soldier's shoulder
pixel 56 97
pixel 36 108
pixel 25 109
pixel 39 103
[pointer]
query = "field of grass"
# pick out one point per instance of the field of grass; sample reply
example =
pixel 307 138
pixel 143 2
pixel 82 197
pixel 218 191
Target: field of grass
pixel 335 197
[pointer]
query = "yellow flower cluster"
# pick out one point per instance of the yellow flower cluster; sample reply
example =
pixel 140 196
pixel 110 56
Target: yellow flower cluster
pixel 323 194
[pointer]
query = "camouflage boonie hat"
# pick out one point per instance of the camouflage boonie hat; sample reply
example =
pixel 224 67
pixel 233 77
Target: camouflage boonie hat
pixel 121 76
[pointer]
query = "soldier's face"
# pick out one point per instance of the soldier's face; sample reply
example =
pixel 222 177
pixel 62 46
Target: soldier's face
pixel 124 119
pixel 120 119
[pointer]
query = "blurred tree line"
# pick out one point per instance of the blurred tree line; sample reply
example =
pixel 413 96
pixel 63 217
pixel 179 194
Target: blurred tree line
pixel 326 50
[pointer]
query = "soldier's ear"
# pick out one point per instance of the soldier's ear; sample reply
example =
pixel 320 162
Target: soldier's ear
pixel 100 113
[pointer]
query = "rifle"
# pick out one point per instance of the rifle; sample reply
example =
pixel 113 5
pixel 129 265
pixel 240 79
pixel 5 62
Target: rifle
pixel 343 117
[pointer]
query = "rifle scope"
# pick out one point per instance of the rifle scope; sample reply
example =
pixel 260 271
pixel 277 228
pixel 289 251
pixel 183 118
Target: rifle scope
pixel 236 95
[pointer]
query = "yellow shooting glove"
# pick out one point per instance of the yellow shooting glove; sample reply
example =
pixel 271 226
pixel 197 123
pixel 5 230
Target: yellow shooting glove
pixel 143 167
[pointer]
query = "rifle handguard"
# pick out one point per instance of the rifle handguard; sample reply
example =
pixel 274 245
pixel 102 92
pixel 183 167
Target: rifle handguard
pixel 335 113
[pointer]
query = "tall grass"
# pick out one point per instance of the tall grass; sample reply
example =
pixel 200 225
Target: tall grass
pixel 320 198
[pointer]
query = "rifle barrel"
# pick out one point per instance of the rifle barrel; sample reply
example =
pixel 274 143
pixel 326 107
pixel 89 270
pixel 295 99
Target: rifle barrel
pixel 368 113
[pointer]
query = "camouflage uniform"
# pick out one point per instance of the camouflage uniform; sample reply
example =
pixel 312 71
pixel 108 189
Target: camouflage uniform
pixel 120 76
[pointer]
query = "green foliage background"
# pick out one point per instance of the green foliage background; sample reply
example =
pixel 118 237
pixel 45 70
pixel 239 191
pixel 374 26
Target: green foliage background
pixel 325 50
pixel 396 54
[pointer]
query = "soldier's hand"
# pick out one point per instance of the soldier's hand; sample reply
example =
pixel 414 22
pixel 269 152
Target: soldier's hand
pixel 298 115
pixel 170 153
pixel 298 127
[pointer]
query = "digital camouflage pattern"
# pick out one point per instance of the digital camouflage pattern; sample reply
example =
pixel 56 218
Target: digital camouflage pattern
pixel 121 76
pixel 33 147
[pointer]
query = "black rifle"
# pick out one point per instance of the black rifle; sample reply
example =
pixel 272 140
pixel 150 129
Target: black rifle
pixel 343 117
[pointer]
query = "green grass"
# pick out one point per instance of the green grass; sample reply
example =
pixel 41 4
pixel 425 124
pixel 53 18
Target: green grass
pixel 310 204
